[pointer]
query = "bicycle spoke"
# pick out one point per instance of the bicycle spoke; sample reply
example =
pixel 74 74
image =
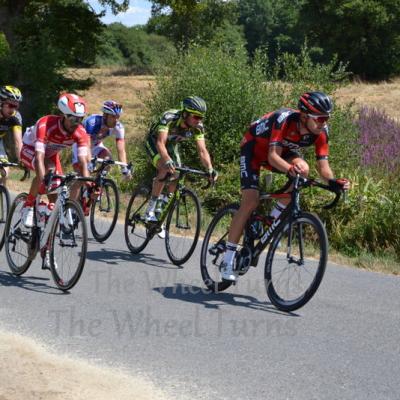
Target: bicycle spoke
pixel 293 277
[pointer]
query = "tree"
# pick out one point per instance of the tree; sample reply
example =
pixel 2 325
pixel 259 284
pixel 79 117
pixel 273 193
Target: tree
pixel 194 21
pixel 270 24
pixel 43 37
pixel 363 32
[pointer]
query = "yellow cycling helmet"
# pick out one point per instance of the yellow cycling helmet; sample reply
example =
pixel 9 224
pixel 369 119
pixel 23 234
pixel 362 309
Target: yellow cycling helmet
pixel 10 93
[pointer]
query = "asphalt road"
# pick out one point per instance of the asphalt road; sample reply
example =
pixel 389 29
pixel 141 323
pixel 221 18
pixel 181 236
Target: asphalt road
pixel 145 314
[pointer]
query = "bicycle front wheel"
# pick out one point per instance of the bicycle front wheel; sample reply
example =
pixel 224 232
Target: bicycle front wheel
pixel 104 211
pixel 214 247
pixel 183 227
pixel 135 226
pixel 4 207
pixel 68 246
pixel 19 240
pixel 296 261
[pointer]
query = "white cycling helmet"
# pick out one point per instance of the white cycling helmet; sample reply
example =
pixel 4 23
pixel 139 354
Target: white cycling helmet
pixel 72 104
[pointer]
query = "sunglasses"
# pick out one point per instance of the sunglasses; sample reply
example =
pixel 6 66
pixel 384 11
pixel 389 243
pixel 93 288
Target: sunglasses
pixel 319 118
pixel 197 117
pixel 12 106
pixel 73 119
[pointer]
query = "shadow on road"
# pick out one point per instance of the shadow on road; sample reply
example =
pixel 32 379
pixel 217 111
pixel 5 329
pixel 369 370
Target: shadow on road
pixel 202 296
pixel 114 257
pixel 33 283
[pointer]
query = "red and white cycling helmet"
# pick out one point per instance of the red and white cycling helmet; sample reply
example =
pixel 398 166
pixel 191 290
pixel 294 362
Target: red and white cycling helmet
pixel 72 104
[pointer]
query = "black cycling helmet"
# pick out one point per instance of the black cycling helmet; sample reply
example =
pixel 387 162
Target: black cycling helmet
pixel 10 93
pixel 316 103
pixel 194 105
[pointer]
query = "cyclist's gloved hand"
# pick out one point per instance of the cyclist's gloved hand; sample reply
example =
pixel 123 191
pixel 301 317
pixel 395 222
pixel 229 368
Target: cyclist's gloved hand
pixel 212 175
pixel 126 172
pixel 170 166
pixel 339 184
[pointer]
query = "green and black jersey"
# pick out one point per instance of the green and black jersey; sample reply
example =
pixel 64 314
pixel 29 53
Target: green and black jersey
pixel 171 121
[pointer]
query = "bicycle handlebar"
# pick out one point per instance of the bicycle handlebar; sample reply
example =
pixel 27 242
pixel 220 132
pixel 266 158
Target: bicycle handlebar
pixel 307 182
pixel 301 182
pixel 108 161
pixel 11 164
pixel 184 171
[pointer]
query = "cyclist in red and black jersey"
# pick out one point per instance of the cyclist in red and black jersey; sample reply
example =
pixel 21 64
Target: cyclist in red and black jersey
pixel 273 142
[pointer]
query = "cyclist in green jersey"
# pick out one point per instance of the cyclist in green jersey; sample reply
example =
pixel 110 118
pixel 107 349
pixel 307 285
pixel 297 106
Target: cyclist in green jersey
pixel 10 127
pixel 163 140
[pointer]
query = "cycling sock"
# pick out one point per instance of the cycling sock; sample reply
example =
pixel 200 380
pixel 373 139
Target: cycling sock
pixel 277 210
pixel 152 204
pixel 230 253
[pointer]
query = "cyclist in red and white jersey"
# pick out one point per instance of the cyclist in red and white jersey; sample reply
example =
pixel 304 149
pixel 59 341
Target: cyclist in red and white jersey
pixel 273 142
pixel 43 142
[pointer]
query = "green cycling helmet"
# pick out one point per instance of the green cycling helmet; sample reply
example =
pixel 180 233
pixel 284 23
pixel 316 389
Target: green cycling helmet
pixel 194 105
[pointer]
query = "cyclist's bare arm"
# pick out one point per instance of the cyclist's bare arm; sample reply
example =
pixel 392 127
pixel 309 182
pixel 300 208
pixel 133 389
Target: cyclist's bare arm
pixel 275 159
pixel 121 150
pixel 40 168
pixel 204 154
pixel 83 164
pixel 17 133
pixel 324 169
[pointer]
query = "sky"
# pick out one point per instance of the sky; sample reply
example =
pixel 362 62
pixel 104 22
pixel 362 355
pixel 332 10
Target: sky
pixel 137 14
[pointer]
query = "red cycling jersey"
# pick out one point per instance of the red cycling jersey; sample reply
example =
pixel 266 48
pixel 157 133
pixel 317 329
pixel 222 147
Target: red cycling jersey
pixel 49 137
pixel 279 128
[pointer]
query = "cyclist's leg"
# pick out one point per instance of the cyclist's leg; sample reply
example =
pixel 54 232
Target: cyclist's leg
pixel 292 157
pixel 54 163
pixel 249 179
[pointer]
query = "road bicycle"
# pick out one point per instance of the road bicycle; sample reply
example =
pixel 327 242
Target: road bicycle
pixel 60 236
pixel 101 200
pixel 181 214
pixel 298 247
pixel 4 202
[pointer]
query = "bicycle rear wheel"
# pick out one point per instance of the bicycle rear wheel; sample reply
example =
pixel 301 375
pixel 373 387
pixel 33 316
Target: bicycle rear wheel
pixel 4 208
pixel 68 246
pixel 135 226
pixel 214 247
pixel 183 227
pixel 296 261
pixel 19 240
pixel 104 211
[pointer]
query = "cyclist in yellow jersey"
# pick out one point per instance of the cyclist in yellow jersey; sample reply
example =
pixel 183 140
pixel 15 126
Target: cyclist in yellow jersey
pixel 164 137
pixel 10 127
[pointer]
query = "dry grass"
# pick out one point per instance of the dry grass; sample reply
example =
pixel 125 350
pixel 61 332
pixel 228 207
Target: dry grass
pixel 384 96
pixel 129 90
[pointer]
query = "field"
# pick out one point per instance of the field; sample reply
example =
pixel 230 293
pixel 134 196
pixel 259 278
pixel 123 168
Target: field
pixel 132 90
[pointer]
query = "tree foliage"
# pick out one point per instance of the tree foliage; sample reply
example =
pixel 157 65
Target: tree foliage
pixel 41 38
pixel 133 48
pixel 364 33
pixel 191 21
